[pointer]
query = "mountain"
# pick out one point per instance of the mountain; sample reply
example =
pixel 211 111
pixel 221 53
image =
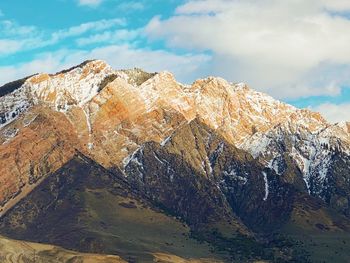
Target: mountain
pixel 214 162
pixel 84 207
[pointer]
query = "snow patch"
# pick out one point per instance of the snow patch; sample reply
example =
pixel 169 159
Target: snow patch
pixel 9 135
pixel 266 186
pixel 28 121
pixel 12 105
pixel 273 165
pixel 165 141
pixel 158 159
pixel 132 158
pixel 88 123
pixel 233 174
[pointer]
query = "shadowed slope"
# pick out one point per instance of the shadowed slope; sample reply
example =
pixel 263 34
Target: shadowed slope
pixel 84 207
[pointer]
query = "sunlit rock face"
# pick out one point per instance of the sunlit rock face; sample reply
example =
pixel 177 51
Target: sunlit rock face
pixel 109 114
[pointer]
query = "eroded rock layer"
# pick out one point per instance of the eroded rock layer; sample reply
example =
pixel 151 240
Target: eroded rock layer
pixel 217 155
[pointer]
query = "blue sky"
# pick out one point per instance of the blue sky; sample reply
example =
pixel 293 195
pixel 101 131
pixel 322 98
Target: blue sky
pixel 296 51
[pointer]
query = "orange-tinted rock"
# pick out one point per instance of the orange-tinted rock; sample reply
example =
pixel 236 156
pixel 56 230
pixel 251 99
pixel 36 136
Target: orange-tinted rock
pixel 111 121
pixel 38 149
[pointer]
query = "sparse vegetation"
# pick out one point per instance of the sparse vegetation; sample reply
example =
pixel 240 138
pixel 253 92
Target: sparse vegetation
pixel 12 86
pixel 87 202
pixel 106 80
pixel 138 76
pixel 244 249
pixel 74 67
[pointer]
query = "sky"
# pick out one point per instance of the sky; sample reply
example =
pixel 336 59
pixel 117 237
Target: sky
pixel 297 51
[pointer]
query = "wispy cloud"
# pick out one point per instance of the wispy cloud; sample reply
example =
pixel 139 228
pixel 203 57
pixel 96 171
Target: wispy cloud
pixel 290 49
pixel 9 28
pixel 9 46
pixel 90 3
pixel 277 46
pixel 81 29
pixel 131 5
pixel 109 37
pixel 334 112
pixel 48 62
pixel 17 38
pixel 185 67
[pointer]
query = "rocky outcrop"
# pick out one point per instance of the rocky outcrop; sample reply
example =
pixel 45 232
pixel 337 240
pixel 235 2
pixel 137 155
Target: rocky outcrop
pixel 198 175
pixel 84 207
pixel 35 146
pixel 110 113
pixel 220 156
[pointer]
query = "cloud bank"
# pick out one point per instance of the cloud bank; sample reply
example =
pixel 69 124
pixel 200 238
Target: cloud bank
pixel 118 56
pixel 334 112
pixel 291 49
pixel 288 48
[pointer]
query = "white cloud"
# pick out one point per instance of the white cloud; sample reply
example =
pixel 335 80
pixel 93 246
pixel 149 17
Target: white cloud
pixel 334 112
pixel 9 28
pixel 337 5
pixel 131 6
pixel 185 67
pixel 90 3
pixel 93 26
pixel 109 37
pixel 275 46
pixel 9 46
pixel 15 38
pixel 47 62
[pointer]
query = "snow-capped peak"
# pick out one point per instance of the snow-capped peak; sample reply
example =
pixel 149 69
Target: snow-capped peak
pixel 240 114
pixel 344 125
pixel 78 86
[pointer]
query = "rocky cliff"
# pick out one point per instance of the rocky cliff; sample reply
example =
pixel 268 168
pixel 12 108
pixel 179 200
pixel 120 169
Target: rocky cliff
pixel 217 155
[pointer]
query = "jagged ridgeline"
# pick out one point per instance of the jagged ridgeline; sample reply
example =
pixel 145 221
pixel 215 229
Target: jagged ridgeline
pixel 137 165
pixel 12 86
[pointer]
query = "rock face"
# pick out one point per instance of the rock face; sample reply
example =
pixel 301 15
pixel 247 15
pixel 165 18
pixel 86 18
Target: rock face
pixel 32 148
pixel 218 155
pixel 84 207
pixel 109 113
pixel 218 178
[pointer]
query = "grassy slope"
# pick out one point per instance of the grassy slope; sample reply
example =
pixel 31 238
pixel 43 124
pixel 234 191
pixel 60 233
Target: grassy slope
pixel 133 230
pixel 321 231
pixel 26 252
pixel 84 208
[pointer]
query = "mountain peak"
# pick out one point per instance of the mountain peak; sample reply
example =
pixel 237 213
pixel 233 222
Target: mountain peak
pixel 344 125
pixel 234 108
pixel 87 63
pixel 149 125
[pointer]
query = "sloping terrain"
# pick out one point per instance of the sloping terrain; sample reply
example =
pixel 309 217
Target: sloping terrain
pixel 264 201
pixel 13 251
pixel 85 208
pixel 110 113
pixel 216 175
pixel 135 164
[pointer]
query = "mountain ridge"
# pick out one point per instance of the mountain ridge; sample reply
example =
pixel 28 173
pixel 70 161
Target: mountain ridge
pixel 128 113
pixel 253 163
pixel 241 115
